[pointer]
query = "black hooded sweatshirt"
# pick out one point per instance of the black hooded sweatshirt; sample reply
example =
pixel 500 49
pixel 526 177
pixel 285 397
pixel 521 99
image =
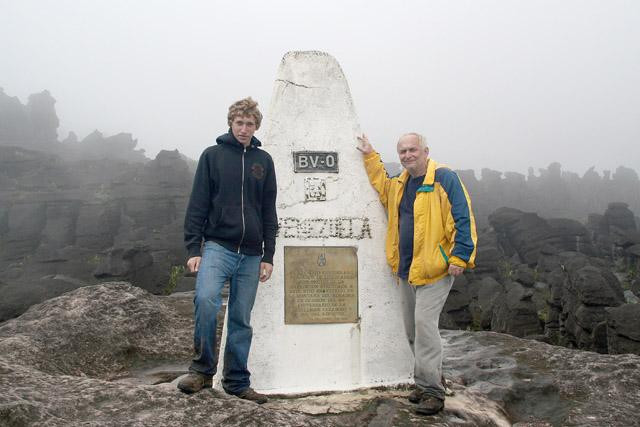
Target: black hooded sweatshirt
pixel 233 201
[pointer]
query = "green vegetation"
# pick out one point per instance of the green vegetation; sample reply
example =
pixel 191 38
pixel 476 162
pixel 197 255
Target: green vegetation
pixel 536 274
pixel 543 314
pixel 506 269
pixel 626 271
pixel 630 276
pixel 475 325
pixel 175 273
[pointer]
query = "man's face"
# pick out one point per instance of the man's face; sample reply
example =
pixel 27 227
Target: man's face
pixel 243 128
pixel 412 156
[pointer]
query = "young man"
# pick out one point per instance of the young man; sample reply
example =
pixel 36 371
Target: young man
pixel 431 239
pixel 230 234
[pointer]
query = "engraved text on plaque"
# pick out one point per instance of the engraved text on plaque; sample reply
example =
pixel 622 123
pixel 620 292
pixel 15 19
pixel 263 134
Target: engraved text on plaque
pixel 320 284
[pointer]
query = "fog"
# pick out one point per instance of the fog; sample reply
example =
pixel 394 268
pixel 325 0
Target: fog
pixel 498 84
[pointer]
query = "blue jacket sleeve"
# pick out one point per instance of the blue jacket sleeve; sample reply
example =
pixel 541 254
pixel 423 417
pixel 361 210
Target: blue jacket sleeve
pixel 464 248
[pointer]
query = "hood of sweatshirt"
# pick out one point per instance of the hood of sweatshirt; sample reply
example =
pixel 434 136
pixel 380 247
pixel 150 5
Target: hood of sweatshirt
pixel 228 138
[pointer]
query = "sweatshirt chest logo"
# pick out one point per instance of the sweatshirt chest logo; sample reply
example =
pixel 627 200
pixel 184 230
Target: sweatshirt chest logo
pixel 257 170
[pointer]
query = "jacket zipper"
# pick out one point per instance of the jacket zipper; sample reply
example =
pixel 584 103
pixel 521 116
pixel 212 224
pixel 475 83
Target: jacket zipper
pixel 242 199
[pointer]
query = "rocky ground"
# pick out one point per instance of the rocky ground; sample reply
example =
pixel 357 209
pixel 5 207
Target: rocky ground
pixel 110 354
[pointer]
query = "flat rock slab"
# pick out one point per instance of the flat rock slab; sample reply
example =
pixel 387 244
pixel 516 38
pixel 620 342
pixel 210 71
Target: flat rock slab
pixel 50 374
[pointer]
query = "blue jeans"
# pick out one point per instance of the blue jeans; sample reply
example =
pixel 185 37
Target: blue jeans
pixel 216 267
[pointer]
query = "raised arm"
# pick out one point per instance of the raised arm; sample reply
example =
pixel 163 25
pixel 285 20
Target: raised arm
pixel 375 169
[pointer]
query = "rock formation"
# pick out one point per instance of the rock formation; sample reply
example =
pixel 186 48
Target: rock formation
pixel 553 280
pixel 64 223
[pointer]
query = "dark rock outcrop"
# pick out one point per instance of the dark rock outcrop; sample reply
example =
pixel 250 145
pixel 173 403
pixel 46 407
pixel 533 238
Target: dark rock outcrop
pixel 489 254
pixel 618 215
pixel 457 306
pixel 484 305
pixel 525 234
pixel 581 288
pixel 89 222
pixel 623 334
pixel 515 313
pixel 545 279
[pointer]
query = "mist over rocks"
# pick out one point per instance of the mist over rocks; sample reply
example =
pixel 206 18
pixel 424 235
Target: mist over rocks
pixel 551 193
pixel 75 213
pixel 35 126
pixel 96 146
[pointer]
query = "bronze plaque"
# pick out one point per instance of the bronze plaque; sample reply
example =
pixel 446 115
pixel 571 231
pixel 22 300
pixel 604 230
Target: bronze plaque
pixel 320 284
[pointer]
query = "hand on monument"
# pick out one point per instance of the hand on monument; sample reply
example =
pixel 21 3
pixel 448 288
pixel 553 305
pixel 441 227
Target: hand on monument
pixel 265 271
pixel 193 263
pixel 455 271
pixel 364 145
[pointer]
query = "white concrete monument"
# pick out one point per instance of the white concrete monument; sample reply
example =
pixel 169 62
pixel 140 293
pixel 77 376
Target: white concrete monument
pixel 329 317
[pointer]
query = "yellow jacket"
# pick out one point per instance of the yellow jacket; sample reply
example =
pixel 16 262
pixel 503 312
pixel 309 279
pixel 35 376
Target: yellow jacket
pixel 444 226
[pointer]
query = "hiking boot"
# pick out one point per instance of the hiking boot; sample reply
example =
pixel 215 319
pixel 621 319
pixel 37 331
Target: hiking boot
pixel 252 395
pixel 416 395
pixel 194 382
pixel 429 405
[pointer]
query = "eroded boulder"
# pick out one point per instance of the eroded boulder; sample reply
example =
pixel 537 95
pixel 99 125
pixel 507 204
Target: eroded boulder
pixel 515 312
pixel 623 334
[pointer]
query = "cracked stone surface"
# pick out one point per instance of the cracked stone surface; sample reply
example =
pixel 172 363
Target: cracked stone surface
pixel 296 84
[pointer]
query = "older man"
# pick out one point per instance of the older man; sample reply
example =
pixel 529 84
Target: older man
pixel 431 239
pixel 230 234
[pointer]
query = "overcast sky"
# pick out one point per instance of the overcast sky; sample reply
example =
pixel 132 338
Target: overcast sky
pixel 500 84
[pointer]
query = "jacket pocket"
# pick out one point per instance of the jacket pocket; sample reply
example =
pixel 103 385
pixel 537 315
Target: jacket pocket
pixel 444 254
pixel 226 223
pixel 435 262
pixel 253 228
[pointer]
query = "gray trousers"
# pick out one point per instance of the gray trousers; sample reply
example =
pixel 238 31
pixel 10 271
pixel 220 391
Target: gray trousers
pixel 421 307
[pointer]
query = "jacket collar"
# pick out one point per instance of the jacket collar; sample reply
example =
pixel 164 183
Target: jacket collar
pixel 429 177
pixel 229 139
